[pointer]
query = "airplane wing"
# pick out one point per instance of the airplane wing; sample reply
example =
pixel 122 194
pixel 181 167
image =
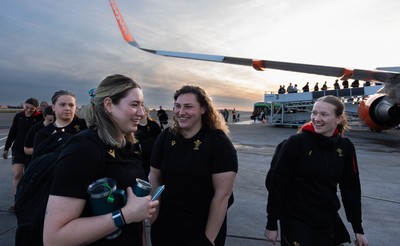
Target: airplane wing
pixel 393 69
pixel 390 78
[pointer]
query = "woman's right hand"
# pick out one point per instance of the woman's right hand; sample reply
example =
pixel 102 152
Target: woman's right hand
pixel 138 208
pixel 155 215
pixel 271 236
pixel 5 154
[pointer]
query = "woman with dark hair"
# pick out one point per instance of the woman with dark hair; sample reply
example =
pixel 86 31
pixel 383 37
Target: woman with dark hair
pixel 113 116
pixel 66 120
pixel 147 133
pixel 48 115
pixel 197 163
pixel 21 124
pixel 303 188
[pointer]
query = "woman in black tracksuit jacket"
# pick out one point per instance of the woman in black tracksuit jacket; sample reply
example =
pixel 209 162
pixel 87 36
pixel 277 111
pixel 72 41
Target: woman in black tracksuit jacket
pixel 303 188
pixel 21 124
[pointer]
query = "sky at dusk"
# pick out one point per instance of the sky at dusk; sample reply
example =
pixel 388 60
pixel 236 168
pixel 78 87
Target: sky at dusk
pixel 69 44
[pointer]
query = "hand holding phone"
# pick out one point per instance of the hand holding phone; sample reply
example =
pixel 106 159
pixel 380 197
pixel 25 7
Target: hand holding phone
pixel 158 192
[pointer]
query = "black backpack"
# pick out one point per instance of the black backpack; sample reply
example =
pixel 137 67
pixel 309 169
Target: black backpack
pixel 272 167
pixel 34 187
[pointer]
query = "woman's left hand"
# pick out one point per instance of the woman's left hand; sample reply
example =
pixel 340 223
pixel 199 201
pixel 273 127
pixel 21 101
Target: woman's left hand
pixel 208 242
pixel 361 240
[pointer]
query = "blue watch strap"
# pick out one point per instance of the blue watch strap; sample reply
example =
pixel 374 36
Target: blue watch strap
pixel 117 217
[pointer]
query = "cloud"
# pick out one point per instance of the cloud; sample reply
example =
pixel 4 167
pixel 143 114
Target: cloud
pixel 48 45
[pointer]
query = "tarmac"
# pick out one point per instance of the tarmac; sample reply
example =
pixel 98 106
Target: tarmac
pixel 379 163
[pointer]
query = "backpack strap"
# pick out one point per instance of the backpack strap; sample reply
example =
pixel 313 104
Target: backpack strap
pixel 268 178
pixel 53 143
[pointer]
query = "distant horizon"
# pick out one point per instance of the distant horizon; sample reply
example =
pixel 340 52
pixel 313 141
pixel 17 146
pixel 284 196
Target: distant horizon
pixel 20 107
pixel 79 103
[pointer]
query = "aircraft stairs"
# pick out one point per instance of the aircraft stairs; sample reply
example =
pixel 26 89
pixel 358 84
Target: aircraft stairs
pixel 294 109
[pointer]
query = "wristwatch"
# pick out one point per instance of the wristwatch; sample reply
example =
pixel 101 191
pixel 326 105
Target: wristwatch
pixel 118 219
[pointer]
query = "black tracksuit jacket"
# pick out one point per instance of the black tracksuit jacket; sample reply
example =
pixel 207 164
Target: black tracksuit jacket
pixel 19 128
pixel 304 185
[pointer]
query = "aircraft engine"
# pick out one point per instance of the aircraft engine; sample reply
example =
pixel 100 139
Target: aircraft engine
pixel 379 112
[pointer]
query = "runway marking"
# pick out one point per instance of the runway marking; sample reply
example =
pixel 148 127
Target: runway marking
pixel 251 238
pixel 380 199
pixel 6 231
pixel 253 171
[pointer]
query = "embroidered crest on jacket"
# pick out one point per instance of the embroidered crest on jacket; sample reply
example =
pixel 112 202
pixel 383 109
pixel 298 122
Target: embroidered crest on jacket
pixel 197 144
pixel 111 152
pixel 340 152
pixel 77 128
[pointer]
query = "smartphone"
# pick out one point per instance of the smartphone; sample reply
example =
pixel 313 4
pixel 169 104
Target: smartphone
pixel 158 192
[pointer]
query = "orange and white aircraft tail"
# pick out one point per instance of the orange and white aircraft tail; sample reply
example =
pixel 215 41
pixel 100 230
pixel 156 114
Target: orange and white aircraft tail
pixel 122 26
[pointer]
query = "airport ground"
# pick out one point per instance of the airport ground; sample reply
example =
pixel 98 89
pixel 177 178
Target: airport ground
pixel 379 163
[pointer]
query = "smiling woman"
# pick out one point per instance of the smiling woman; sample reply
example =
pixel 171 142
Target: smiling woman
pixel 21 124
pixel 113 118
pixel 303 188
pixel 197 163
pixel 328 116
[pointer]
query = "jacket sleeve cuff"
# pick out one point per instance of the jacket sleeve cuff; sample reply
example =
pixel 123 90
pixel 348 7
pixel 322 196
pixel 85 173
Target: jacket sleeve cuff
pixel 357 227
pixel 272 225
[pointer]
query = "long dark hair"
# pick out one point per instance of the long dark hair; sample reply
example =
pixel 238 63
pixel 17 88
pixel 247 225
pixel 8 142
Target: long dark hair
pixel 212 118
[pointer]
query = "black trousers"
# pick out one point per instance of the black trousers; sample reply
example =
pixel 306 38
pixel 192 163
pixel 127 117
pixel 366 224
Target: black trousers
pixel 164 235
pixel 295 233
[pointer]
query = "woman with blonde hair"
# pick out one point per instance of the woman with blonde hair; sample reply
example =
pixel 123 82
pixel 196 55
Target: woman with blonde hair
pixel 303 188
pixel 113 115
